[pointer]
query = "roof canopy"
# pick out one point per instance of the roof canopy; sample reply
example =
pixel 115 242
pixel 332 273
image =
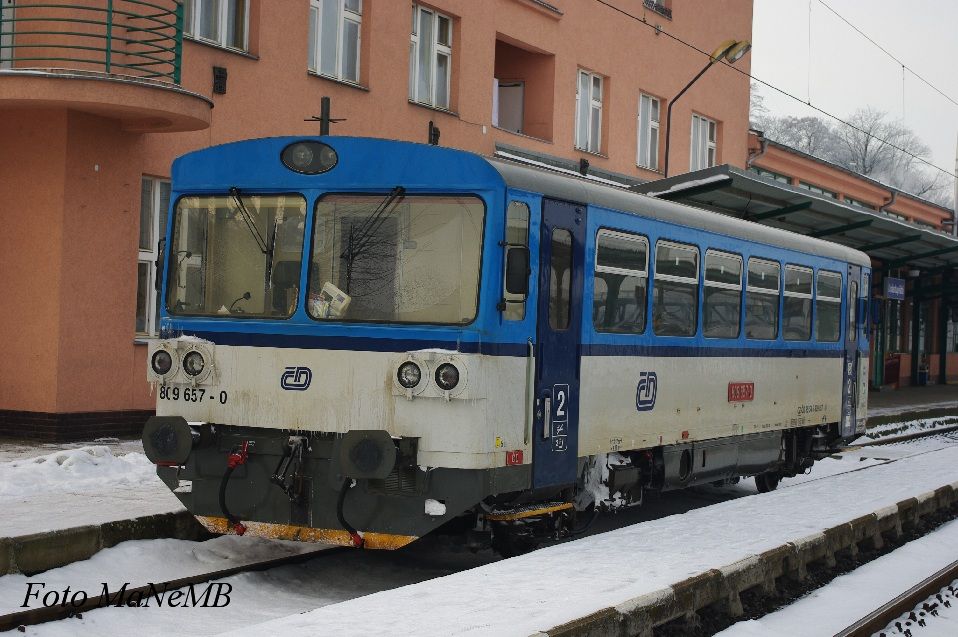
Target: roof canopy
pixel 744 194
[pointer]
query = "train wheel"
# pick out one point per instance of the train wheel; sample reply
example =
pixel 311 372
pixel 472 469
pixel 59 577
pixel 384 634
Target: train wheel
pixel 767 481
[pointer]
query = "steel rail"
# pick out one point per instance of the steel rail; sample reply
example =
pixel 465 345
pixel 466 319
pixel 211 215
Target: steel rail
pixel 878 619
pixel 42 615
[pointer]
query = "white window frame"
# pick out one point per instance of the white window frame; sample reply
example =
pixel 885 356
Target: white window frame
pixel 436 49
pixel 634 238
pixel 644 158
pixel 704 148
pixel 150 255
pixel 192 12
pixel 344 15
pixel 589 145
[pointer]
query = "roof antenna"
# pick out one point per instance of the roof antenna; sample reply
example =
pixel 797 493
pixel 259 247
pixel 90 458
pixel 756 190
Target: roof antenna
pixel 433 134
pixel 324 118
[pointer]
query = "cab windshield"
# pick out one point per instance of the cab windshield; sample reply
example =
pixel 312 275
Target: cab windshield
pixel 396 258
pixel 236 255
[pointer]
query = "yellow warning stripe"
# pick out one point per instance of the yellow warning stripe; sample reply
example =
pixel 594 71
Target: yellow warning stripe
pixel 530 513
pixel 337 537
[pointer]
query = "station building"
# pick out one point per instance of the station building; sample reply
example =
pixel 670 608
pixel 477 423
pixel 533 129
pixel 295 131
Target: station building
pixel 97 97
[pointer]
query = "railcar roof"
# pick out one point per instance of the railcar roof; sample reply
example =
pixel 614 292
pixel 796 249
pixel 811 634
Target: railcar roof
pixel 573 188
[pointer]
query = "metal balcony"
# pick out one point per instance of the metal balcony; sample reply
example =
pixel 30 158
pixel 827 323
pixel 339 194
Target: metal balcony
pixel 135 38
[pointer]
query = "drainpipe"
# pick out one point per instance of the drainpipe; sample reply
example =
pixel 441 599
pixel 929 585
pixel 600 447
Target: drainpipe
pixel 890 202
pixel 763 147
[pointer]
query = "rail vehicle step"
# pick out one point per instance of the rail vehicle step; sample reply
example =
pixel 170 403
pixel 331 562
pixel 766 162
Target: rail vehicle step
pixel 529 511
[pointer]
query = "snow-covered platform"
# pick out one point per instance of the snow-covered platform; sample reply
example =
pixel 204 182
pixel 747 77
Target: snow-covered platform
pixel 912 403
pixel 65 504
pixel 647 574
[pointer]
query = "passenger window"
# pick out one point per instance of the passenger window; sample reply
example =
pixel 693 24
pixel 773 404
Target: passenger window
pixel 828 306
pixel 797 309
pixel 761 299
pixel 722 303
pixel 852 330
pixel 621 282
pixel 517 234
pixel 675 289
pixel 560 279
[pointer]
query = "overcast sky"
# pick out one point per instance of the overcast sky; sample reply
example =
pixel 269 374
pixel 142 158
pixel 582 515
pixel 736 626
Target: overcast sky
pixel 848 72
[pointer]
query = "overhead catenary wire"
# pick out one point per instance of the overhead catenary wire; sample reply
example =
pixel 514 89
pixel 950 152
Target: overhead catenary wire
pixel 888 53
pixel 808 103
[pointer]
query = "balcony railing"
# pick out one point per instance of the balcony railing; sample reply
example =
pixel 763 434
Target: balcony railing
pixel 658 7
pixel 125 37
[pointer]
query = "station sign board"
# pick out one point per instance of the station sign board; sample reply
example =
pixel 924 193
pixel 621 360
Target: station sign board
pixel 894 289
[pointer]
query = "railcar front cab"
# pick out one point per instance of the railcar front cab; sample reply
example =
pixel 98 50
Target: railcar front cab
pixel 331 365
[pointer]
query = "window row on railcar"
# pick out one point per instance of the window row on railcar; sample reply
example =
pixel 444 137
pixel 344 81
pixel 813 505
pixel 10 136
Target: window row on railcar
pixel 776 299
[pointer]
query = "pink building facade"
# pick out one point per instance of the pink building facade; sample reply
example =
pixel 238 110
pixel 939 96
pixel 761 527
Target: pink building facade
pixel 93 113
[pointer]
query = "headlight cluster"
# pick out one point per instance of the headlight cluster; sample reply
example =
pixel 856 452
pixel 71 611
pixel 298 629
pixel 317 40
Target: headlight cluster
pixel 195 362
pixel 409 375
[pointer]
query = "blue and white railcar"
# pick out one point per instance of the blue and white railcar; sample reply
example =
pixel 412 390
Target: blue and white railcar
pixel 363 340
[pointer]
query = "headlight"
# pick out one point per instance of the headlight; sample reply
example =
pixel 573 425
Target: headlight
pixel 193 363
pixel 409 374
pixel 447 376
pixel 162 362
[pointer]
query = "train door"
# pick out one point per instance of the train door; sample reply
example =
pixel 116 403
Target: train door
pixel 561 260
pixel 6 33
pixel 851 371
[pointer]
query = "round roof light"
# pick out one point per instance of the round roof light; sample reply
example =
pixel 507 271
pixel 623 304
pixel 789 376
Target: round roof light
pixel 309 157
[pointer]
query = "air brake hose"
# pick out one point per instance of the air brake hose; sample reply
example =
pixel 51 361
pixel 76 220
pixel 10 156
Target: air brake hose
pixel 356 537
pixel 235 459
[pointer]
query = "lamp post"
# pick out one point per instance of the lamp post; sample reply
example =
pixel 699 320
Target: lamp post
pixel 731 51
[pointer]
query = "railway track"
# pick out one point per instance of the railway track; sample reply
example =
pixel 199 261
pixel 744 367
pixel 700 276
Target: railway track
pixel 927 433
pixel 126 596
pixel 911 606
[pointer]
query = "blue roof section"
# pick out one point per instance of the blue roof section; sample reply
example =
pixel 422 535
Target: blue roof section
pixel 366 163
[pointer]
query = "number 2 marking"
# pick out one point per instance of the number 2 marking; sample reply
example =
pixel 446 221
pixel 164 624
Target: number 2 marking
pixel 560 408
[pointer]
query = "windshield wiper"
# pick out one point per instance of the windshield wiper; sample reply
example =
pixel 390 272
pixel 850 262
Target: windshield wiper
pixel 360 238
pixel 248 218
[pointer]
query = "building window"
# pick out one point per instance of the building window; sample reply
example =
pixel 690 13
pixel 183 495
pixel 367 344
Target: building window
pixel 813 188
pixel 857 204
pixel 703 143
pixel 648 145
pixel 334 32
pixel 222 22
pixel 430 57
pixel 154 205
pixel 769 174
pixel 588 112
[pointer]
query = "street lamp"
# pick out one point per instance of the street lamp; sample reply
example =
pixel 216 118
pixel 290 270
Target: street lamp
pixel 731 51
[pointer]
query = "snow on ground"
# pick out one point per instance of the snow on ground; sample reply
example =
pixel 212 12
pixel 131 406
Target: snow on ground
pixel 139 562
pixel 77 486
pixel 79 470
pixel 560 583
pixel 255 596
pixel 844 600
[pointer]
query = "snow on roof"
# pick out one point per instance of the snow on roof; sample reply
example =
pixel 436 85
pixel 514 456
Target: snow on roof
pixel 694 183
